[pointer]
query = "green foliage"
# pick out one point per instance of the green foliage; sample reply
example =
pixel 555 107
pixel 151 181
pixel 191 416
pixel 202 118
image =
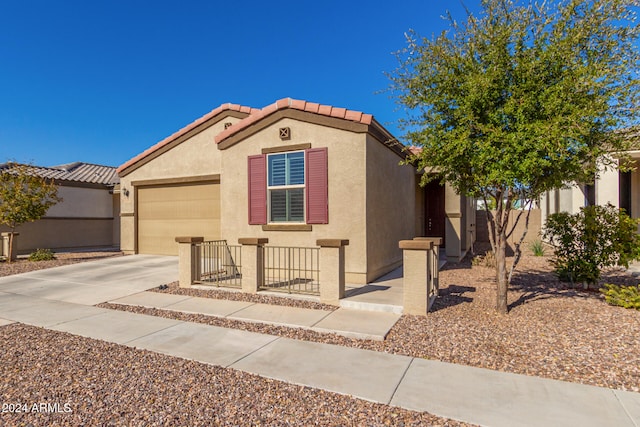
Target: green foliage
pixel 594 238
pixel 42 255
pixel 623 296
pixel 537 247
pixel 24 196
pixel 519 100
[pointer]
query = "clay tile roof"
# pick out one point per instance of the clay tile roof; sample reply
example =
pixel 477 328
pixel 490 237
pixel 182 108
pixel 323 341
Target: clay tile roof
pixel 74 172
pixel 184 130
pixel 414 150
pixel 296 104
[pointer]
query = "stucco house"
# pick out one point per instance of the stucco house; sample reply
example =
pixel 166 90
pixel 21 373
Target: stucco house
pixel 87 217
pixel 292 172
pixel 613 186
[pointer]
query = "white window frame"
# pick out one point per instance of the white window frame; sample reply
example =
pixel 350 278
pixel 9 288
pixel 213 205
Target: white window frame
pixel 288 187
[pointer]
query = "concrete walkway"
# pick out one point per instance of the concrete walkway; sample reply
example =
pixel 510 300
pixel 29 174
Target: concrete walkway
pixel 464 393
pixel 350 323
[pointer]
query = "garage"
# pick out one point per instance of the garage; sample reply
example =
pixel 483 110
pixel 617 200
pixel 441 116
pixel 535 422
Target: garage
pixel 167 211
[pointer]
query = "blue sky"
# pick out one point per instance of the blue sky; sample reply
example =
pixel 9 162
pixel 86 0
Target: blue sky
pixel 101 81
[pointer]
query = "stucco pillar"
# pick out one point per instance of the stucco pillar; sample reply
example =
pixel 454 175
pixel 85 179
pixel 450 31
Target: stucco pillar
pixel 6 237
pixel 188 260
pixel 252 263
pixel 420 274
pixel 331 270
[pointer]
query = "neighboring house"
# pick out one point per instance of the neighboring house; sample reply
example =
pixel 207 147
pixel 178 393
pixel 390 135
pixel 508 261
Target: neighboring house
pixel 88 215
pixel 621 189
pixel 292 172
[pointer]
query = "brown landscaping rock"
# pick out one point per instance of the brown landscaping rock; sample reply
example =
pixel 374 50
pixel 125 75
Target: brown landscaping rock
pixel 109 384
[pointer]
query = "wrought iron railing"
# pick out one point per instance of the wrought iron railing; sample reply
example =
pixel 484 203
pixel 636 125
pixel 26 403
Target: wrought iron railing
pixel 292 269
pixel 218 264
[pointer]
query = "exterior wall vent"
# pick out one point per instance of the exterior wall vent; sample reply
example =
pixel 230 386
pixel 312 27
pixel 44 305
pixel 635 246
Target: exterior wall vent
pixel 285 133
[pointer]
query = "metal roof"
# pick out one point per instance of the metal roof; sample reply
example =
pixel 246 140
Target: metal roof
pixel 74 172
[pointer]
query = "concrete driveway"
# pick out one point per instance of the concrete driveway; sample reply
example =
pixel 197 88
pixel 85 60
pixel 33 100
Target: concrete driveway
pixel 93 282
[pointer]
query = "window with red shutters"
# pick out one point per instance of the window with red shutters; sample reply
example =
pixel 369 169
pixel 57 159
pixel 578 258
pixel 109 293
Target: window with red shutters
pixel 317 186
pixel 284 206
pixel 257 166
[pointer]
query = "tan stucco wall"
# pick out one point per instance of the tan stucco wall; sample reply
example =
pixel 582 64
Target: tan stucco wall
pixel 84 218
pixel 533 232
pixel 347 208
pixel 116 219
pixel 80 202
pixel 635 192
pixel 63 234
pixel 391 208
pixel 196 156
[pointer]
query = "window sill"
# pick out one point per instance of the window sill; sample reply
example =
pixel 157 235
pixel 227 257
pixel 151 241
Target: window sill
pixel 287 227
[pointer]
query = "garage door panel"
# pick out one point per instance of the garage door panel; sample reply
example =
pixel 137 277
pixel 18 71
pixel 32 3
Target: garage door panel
pixel 165 212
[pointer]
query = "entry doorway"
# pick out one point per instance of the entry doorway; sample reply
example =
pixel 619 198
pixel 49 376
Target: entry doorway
pixel 434 213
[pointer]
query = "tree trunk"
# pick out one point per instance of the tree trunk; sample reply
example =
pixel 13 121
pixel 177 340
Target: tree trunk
pixel 502 280
pixel 10 254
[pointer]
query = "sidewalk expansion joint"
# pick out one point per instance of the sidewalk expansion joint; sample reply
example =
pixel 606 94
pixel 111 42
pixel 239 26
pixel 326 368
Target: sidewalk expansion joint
pixel 626 411
pixel 230 365
pixel 238 311
pixel 395 390
pixel 324 317
pixel 154 332
pixel 75 319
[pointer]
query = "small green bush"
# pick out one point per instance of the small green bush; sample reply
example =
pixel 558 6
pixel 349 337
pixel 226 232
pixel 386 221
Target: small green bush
pixel 622 296
pixel 537 247
pixel 590 240
pixel 42 255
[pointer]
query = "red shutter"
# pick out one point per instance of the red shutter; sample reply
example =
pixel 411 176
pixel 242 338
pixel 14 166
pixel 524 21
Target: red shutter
pixel 257 166
pixel 317 186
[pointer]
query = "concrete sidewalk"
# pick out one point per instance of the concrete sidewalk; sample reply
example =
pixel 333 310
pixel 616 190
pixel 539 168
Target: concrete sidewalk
pixel 346 322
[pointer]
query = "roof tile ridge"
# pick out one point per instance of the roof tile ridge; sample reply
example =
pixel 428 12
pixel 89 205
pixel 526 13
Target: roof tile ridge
pixel 297 104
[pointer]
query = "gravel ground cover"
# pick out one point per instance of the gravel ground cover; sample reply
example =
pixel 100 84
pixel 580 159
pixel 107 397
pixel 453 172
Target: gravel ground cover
pixel 99 383
pixel 22 265
pixel 552 330
pixel 217 293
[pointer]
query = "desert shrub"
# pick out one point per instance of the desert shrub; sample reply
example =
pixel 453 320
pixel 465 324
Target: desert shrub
pixel 486 260
pixel 623 296
pixel 537 247
pixel 590 240
pixel 42 255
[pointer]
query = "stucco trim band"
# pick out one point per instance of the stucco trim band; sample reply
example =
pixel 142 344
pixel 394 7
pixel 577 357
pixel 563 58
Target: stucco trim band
pixel 332 243
pixel 284 148
pixel 287 227
pixel 302 116
pixel 178 180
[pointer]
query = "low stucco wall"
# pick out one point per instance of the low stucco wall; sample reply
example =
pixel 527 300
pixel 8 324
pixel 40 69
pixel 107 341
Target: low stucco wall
pixel 533 232
pixel 82 202
pixel 54 233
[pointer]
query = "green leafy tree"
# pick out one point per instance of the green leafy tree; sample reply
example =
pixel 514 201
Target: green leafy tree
pixel 24 197
pixel 519 100
pixel 590 240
